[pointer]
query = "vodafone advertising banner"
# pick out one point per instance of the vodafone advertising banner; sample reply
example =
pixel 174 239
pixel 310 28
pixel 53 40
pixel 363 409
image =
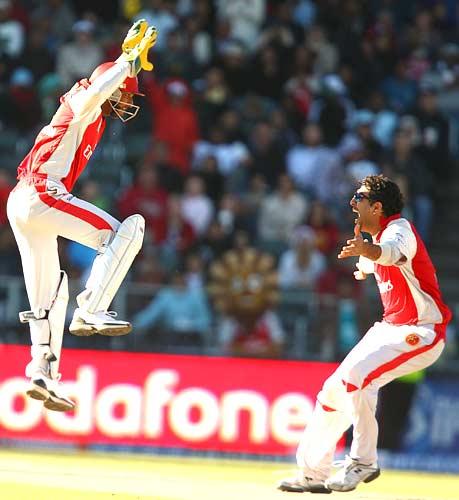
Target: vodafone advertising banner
pixel 136 399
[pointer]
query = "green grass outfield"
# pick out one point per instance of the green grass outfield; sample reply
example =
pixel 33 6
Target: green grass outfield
pixel 30 475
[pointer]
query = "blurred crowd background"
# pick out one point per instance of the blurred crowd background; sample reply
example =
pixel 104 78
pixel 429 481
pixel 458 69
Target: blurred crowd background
pixel 257 122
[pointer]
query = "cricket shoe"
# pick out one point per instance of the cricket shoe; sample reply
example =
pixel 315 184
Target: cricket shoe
pixel 352 473
pixel 302 484
pixel 85 324
pixel 44 389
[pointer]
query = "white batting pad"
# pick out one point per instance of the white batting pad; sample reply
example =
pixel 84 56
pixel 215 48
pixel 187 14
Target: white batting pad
pixel 112 264
pixel 46 332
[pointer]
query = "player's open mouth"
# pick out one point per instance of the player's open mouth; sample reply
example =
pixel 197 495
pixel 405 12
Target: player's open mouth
pixel 357 219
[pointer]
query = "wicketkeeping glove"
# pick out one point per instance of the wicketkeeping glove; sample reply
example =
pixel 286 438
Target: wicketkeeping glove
pixel 147 42
pixel 138 54
pixel 134 35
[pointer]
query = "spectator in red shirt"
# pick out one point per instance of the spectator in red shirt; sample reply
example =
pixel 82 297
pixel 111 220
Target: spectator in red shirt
pixel 174 120
pixel 148 198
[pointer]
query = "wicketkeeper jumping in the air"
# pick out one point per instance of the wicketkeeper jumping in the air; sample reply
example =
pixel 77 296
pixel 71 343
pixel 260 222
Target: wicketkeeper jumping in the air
pixel 41 208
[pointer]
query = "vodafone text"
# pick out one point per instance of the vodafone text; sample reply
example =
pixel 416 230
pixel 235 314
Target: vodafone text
pixel 162 405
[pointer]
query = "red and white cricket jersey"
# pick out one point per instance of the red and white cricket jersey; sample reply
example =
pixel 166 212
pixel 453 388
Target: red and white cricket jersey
pixel 409 290
pixel 62 148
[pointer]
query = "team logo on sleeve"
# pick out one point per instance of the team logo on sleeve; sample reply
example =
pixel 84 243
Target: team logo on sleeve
pixel 87 153
pixel 412 339
pixel 385 286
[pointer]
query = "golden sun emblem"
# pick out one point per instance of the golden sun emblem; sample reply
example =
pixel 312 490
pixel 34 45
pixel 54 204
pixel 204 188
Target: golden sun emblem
pixel 412 339
pixel 243 283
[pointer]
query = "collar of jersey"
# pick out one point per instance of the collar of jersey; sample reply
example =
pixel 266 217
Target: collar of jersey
pixel 385 221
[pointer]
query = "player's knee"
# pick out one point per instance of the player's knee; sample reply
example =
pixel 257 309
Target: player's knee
pixel 352 379
pixel 329 395
pixel 133 229
pixel 105 238
pixel 134 222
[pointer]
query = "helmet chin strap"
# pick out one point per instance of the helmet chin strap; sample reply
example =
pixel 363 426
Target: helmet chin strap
pixel 127 111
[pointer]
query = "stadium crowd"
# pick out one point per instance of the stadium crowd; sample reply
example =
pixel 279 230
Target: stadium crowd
pixel 257 122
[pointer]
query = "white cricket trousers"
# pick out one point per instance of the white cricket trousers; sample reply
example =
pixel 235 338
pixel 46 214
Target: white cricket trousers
pixel 349 396
pixel 40 210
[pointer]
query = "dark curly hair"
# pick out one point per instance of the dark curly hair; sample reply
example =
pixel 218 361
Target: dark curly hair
pixel 384 190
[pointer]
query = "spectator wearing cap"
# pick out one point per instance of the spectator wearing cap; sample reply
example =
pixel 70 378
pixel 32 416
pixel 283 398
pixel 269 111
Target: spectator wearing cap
pixel 301 265
pixel 78 58
pixel 12 36
pixel 175 122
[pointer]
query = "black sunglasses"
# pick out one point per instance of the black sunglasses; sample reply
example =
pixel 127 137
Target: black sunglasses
pixel 358 197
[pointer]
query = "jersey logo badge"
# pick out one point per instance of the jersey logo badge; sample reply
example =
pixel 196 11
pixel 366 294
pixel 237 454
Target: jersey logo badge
pixel 385 286
pixel 412 339
pixel 87 153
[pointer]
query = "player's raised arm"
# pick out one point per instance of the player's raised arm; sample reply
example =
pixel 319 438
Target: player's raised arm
pixel 111 80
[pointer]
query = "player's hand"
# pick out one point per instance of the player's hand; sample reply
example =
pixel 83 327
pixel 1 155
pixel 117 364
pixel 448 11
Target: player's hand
pixel 359 275
pixel 354 247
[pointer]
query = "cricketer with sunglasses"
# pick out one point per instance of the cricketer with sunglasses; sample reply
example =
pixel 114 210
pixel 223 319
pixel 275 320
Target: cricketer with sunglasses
pixel 410 337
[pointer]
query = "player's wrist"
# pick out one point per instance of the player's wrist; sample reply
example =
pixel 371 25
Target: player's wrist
pixel 370 250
